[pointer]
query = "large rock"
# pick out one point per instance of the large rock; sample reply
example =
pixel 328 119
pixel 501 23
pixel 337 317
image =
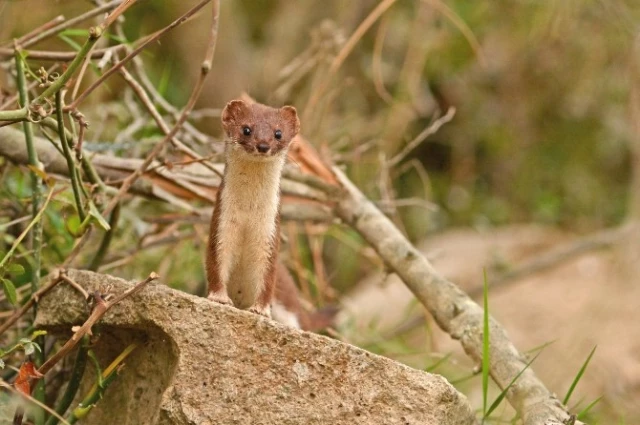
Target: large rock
pixel 203 363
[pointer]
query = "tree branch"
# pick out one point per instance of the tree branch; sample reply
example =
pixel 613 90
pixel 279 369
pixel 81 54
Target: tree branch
pixel 452 309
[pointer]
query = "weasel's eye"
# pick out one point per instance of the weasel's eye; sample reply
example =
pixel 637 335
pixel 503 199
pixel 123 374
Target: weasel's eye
pixel 278 134
pixel 246 131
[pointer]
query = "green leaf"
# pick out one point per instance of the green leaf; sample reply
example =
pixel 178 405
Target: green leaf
pixel 36 334
pixel 438 363
pixel 29 346
pixel 16 269
pixel 10 291
pixel 73 225
pixel 582 415
pixel 75 46
pixel 578 376
pixel 1 364
pixel 93 212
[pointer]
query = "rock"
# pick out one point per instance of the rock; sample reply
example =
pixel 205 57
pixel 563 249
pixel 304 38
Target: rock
pixel 204 363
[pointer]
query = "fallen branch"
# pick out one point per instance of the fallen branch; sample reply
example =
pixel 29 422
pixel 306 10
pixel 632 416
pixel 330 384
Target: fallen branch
pixel 453 310
pixel 177 185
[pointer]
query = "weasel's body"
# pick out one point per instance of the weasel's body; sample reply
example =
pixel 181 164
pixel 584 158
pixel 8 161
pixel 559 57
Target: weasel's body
pixel 244 238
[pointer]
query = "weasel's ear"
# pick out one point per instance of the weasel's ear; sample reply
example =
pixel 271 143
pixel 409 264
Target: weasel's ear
pixel 290 117
pixel 233 112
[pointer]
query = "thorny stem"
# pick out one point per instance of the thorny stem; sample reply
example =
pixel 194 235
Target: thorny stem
pixel 73 170
pixel 23 113
pixel 79 367
pixel 104 380
pixel 36 235
pixel 69 23
pixel 148 104
pixel 94 35
pixel 101 307
pixel 151 39
pixel 106 240
pixel 204 70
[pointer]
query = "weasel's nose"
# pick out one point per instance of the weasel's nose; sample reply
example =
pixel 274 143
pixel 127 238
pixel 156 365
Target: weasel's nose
pixel 263 147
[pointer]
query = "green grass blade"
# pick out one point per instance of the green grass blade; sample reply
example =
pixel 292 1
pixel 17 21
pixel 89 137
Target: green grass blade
pixel 438 363
pixel 75 46
pixel 578 376
pixel 502 395
pixel 539 347
pixel 485 345
pixel 583 412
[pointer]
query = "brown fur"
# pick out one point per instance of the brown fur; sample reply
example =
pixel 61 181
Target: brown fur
pixel 245 221
pixel 288 295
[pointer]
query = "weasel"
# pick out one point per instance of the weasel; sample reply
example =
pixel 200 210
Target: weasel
pixel 244 237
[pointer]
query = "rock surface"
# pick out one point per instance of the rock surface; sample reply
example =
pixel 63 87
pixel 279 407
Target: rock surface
pixel 203 363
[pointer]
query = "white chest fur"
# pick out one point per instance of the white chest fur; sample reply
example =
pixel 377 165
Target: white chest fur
pixel 247 226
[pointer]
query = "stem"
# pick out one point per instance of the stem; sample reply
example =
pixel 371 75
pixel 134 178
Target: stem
pixel 13 115
pixel 36 235
pixel 94 35
pixel 96 392
pixel 106 240
pixel 92 174
pixel 73 170
pixel 74 382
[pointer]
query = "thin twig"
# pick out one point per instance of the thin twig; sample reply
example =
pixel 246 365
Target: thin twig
pixel 94 35
pixel 106 240
pixel 71 22
pixel 432 129
pixel 160 100
pixel 348 47
pixel 36 234
pixel 48 55
pixel 376 62
pixel 204 71
pixel 56 279
pixel 70 392
pixel 99 310
pixel 74 284
pixel 32 34
pixel 155 36
pixel 32 400
pixel 148 104
pixel 73 170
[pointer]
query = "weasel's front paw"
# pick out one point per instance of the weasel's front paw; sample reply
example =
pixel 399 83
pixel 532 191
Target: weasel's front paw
pixel 220 297
pixel 263 311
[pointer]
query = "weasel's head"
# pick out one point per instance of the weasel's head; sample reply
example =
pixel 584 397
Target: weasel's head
pixel 260 131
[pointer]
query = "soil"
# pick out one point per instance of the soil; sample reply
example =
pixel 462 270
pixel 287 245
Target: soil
pixel 587 301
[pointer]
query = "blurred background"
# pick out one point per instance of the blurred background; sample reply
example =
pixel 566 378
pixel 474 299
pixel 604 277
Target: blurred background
pixel 539 147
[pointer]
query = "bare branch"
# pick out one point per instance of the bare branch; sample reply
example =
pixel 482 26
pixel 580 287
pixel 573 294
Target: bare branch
pixel 452 309
pixel 432 129
pixel 204 71
pixel 155 36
